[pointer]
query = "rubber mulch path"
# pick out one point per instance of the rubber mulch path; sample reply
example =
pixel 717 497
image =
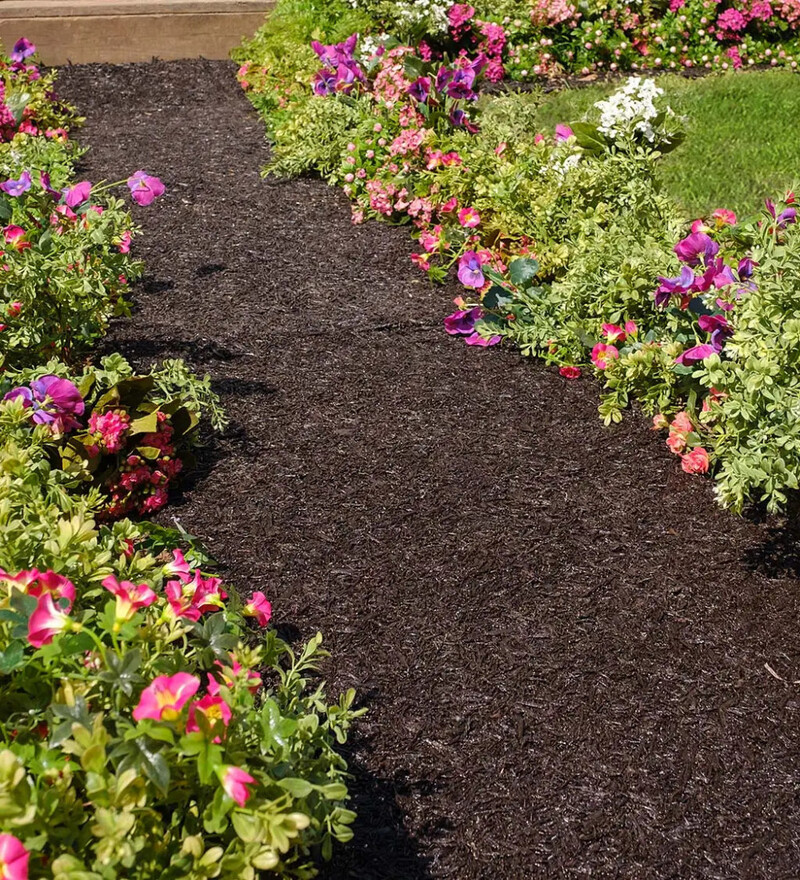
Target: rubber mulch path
pixel 561 640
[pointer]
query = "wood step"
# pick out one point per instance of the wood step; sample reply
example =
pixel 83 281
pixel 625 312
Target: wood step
pixel 117 31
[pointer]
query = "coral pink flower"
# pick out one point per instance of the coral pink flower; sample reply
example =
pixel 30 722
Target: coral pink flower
pixel 676 442
pixel 603 354
pixel 614 333
pixel 696 461
pixel 449 205
pixel 660 422
pixel 13 858
pixel 14 309
pixel 15 236
pixel 469 218
pixel 258 607
pixel 682 423
pixel 47 621
pixel 569 372
pixel 130 597
pixel 213 709
pixel 165 696
pixel 191 599
pixel 724 217
pixel 36 583
pixel 253 678
pixel 630 328
pixel 234 782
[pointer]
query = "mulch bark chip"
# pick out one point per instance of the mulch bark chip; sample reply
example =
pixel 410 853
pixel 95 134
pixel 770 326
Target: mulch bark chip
pixel 560 638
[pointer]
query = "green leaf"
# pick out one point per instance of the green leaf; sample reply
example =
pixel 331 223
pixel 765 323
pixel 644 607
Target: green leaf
pixel 588 137
pixel 12 657
pixel 495 297
pixel 298 788
pixel 522 271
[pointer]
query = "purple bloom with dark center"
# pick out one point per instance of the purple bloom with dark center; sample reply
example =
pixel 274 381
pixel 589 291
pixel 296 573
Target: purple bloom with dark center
pixel 420 89
pixel 54 402
pixel 145 188
pixel 669 287
pixel 22 49
pixel 78 194
pixel 785 218
pixel 746 268
pixel 324 83
pixel 462 323
pixel 460 86
pixel 459 119
pixel 17 187
pixel 563 132
pixel 443 77
pixel 719 328
pixel 470 273
pixel 338 53
pixel 695 355
pixel 695 247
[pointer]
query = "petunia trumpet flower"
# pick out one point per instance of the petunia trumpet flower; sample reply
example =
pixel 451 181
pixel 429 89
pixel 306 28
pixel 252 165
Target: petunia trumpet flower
pixel 234 783
pixel 164 698
pixel 13 856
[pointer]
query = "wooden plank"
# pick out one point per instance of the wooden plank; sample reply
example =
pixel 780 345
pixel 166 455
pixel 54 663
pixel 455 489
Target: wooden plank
pixel 121 38
pixel 59 8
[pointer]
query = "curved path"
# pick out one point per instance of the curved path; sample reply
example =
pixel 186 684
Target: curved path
pixel 561 640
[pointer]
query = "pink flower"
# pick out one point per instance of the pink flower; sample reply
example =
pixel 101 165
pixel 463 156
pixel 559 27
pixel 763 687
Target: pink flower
pixel 449 205
pixel 145 188
pixel 253 678
pixel 125 242
pixel 696 461
pixel 15 236
pixel 14 309
pixel 570 372
pixel 47 621
pixel 13 858
pixel 603 354
pixel 682 423
pixel 130 597
pixel 630 328
pixel 563 132
pixel 234 782
pixel 723 216
pixel 111 427
pixel 165 696
pixel 78 194
pixel 660 422
pixel 213 709
pixel 258 607
pixel 191 599
pixel 614 333
pixel 179 567
pixel 469 218
pixel 676 442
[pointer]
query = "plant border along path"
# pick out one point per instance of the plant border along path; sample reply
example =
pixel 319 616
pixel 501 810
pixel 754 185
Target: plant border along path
pixel 561 640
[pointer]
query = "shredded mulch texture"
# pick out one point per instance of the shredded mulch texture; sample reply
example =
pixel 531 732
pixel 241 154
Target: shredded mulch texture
pixel 560 638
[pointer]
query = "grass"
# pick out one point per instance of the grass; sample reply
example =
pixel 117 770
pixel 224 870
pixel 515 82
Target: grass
pixel 741 143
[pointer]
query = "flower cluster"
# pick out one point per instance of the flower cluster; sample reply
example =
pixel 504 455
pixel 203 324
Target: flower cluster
pixel 630 110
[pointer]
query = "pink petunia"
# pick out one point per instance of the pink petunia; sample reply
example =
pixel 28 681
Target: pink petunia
pixel 213 709
pixel 145 188
pixel 469 218
pixel 569 372
pixel 165 696
pixel 614 333
pixel 259 607
pixel 47 620
pixel 603 354
pixel 228 675
pixel 130 597
pixel 13 858
pixel 234 783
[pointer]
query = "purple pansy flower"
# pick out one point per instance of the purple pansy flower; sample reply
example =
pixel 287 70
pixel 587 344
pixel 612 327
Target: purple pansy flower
pixel 22 49
pixel 420 89
pixel 78 194
pixel 459 119
pixel 785 218
pixel 44 180
pixel 470 273
pixel 324 83
pixel 145 188
pixel 443 77
pixel 17 187
pixel 746 268
pixel 460 85
pixel 668 287
pixel 54 402
pixel 338 53
pixel 698 245
pixel 719 328
pixel 463 321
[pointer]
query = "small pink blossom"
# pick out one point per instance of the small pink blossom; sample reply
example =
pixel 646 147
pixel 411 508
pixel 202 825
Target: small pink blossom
pixel 469 218
pixel 130 597
pixel 569 372
pixel 603 354
pixel 696 461
pixel 165 696
pixel 13 858
pixel 213 708
pixel 259 607
pixel 47 620
pixel 234 783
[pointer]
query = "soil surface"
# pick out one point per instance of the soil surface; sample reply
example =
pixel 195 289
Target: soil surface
pixel 562 641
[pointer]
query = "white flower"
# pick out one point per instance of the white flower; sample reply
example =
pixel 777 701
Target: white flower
pixel 630 109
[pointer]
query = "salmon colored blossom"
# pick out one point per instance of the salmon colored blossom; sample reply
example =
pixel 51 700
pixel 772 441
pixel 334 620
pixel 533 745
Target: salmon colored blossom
pixel 696 461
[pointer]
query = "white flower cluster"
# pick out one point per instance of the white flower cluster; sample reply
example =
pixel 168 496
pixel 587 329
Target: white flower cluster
pixel 431 13
pixel 630 109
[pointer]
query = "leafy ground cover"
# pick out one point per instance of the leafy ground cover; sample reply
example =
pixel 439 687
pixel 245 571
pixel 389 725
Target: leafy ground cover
pixel 739 144
pixel 147 728
pixel 560 636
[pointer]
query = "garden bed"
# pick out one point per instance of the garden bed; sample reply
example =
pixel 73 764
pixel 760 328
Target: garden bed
pixel 572 658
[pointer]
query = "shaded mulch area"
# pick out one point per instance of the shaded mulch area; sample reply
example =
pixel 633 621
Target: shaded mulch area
pixel 561 639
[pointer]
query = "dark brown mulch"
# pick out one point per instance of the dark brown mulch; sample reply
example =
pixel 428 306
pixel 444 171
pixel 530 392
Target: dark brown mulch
pixel 562 641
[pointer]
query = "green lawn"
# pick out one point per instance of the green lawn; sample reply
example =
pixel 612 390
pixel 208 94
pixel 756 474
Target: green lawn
pixel 741 145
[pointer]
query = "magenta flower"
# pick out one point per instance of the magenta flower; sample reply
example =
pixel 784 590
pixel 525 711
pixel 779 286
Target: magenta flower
pixel 17 187
pixel 259 607
pixel 39 583
pixel 145 188
pixel 460 84
pixel 694 247
pixel 54 402
pixel 719 328
pixel 470 273
pixel 13 857
pixel 48 620
pixel 214 709
pixel 165 696
pixel 252 678
pixel 324 83
pixel 482 341
pixel 695 355
pixel 193 598
pixel 234 783
pixel 44 180
pixel 78 194
pixel 785 218
pixel 563 132
pixel 469 218
pixel 22 49
pixel 130 597
pixel 603 354
pixel 179 567
pixel 420 89
pixel 672 286
pixel 462 322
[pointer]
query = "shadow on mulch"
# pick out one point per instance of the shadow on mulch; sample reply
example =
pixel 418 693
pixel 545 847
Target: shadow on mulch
pixel 575 664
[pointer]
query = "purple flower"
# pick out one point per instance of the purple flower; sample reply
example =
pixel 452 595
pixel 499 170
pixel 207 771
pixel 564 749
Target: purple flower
pixel 44 180
pixel 324 83
pixel 695 355
pixel 459 119
pixel 719 328
pixel 470 273
pixel 671 286
pixel 563 132
pixel 78 194
pixel 785 217
pixel 746 268
pixel 17 187
pixel 54 402
pixel 460 85
pixel 339 53
pixel 482 341
pixel 690 249
pixel 420 89
pixel 22 49
pixel 145 188
pixel 462 322
pixel 443 77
